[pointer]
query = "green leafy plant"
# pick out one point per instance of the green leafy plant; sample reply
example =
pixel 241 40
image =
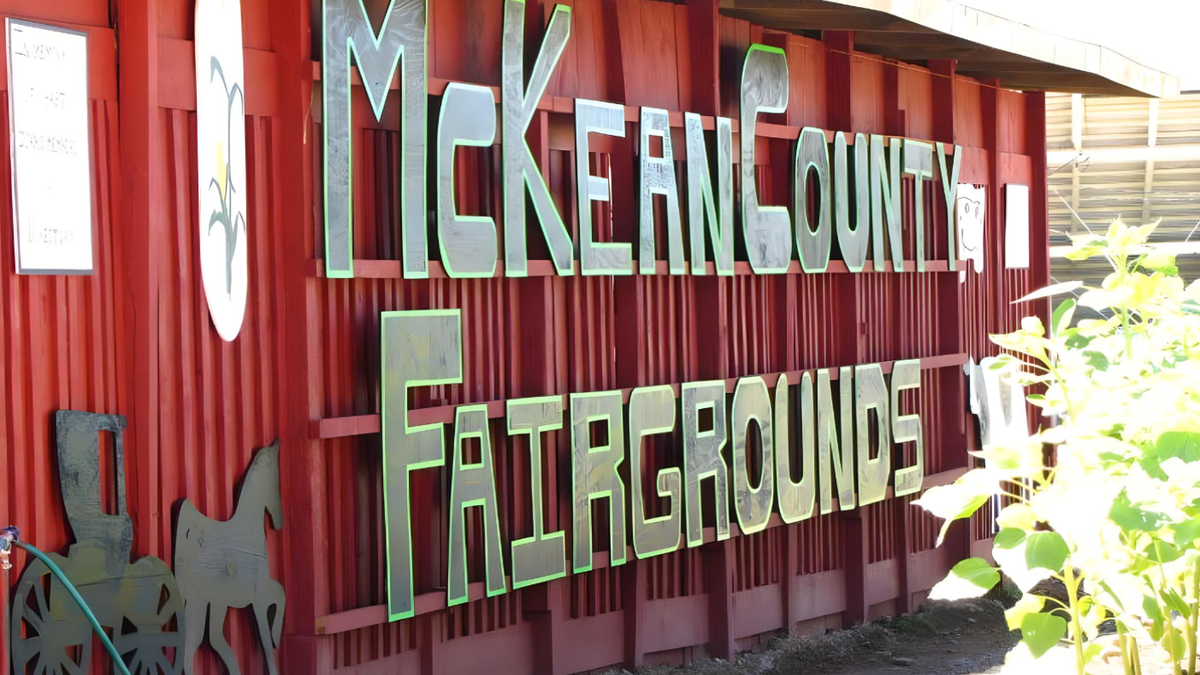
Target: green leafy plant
pixel 1104 499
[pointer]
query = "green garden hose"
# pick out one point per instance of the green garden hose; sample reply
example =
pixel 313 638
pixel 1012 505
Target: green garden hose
pixel 54 569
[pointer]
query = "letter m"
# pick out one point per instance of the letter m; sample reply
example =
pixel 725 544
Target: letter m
pixel 348 32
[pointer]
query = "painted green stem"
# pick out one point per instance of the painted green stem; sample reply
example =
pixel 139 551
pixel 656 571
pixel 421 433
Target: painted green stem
pixel 1123 643
pixel 1072 585
pixel 56 571
pixel 1194 624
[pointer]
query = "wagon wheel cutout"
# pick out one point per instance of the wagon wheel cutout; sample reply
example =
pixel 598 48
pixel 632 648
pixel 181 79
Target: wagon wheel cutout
pixel 150 638
pixel 40 643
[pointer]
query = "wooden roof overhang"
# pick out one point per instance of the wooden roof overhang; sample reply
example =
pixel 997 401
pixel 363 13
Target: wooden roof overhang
pixel 984 45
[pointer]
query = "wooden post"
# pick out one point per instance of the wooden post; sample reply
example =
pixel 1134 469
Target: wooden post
pixel 545 603
pixel 431 631
pixel 839 47
pixel 790 535
pixel 903 545
pixel 855 553
pixel 1039 202
pixel 994 224
pixel 633 589
pixel 718 585
pixel 139 249
pixel 704 39
pixel 302 476
pixel 895 120
pixel 944 79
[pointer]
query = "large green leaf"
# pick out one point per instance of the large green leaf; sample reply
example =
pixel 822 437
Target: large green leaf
pixel 1173 643
pixel 1078 341
pixel 1008 538
pixel 1182 444
pixel 1151 609
pixel 958 500
pixel 970 578
pixel 1162 552
pixel 1096 360
pixel 1186 533
pixel 1062 316
pixel 1028 604
pixel 1130 518
pixel 1046 550
pixel 1153 612
pixel 1174 601
pixel 1040 632
pixel 1008 550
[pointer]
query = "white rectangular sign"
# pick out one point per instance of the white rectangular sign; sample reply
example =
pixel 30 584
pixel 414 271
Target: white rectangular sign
pixel 1016 226
pixel 48 134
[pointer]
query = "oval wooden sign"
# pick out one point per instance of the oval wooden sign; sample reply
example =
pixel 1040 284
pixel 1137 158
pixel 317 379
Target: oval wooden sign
pixel 221 162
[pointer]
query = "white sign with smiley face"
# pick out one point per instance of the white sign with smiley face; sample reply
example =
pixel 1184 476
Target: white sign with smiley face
pixel 971 202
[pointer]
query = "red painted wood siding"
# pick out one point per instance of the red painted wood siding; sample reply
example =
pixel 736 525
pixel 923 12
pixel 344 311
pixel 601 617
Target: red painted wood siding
pixel 305 367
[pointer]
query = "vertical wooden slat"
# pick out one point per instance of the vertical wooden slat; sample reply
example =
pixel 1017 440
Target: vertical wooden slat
pixel 301 478
pixel 140 249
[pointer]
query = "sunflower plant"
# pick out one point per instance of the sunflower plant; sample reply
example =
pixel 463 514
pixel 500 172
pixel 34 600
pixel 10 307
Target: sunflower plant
pixel 1104 498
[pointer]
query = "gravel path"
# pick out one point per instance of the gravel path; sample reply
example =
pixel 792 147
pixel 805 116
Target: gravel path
pixel 945 638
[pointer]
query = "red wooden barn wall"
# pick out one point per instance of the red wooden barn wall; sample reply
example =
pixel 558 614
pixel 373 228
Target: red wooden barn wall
pixel 135 338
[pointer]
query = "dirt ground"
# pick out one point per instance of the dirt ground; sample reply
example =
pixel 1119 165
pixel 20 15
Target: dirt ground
pixel 943 639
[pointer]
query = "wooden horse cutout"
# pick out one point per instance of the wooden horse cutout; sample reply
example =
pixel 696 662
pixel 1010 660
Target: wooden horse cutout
pixel 223 565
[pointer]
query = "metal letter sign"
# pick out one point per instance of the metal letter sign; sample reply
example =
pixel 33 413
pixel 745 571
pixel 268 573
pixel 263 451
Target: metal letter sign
pixel 832 445
pixel 419 348
pixel 752 405
pixel 813 245
pixel 540 556
pixel 918 161
pixel 702 456
pixel 853 243
pixel 468 243
pixel 767 229
pixel 700 194
pixel 473 485
pixel 49 146
pixel 907 428
pixel 596 117
pixel 221 162
pixel 594 473
pixel 870 393
pixel 949 188
pixel 652 411
pixel 658 178
pixel 885 202
pixel 795 499
pixel 520 171
pixel 348 32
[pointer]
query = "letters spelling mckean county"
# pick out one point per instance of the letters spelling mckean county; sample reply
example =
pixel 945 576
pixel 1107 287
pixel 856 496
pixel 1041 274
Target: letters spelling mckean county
pixel 425 347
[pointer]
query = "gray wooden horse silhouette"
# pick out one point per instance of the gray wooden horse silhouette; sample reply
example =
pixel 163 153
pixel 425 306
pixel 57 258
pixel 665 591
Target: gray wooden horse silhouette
pixel 220 565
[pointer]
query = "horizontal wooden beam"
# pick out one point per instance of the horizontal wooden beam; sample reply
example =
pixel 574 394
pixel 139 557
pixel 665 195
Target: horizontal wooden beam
pixel 177 77
pixel 361 425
